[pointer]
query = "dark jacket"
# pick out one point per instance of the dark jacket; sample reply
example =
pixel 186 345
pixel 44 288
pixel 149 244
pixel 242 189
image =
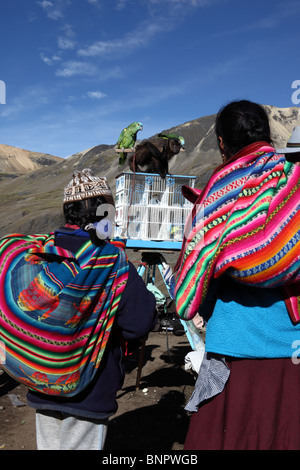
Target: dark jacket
pixel 135 318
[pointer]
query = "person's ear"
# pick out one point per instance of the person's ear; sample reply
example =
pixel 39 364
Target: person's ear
pixel 221 143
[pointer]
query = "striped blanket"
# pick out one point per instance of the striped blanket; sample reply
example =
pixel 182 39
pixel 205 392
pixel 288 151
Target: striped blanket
pixel 245 224
pixel 57 310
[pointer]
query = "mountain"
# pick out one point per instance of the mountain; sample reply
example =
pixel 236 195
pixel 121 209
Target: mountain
pixel 31 199
pixel 15 162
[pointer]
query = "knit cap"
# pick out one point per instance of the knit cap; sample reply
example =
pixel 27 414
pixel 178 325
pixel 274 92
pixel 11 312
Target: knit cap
pixel 85 185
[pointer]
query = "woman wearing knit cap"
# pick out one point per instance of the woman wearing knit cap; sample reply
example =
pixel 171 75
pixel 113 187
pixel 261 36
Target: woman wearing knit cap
pixel 79 422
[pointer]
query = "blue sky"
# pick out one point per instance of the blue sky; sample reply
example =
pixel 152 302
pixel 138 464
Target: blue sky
pixel 75 72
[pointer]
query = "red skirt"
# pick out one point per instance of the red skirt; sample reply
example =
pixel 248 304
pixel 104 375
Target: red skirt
pixel 259 409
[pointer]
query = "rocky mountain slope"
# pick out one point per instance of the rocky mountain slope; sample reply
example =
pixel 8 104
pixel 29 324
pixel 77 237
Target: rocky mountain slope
pixel 15 162
pixel 31 203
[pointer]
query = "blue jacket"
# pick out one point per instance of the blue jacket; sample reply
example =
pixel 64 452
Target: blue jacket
pixel 135 318
pixel 250 322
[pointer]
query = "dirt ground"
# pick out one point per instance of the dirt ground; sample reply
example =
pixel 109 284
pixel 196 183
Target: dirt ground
pixel 150 417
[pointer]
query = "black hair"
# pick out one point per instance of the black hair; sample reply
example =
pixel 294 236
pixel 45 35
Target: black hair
pixel 83 214
pixel 241 123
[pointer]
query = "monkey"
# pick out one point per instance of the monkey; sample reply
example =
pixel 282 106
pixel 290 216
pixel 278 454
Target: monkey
pixel 153 156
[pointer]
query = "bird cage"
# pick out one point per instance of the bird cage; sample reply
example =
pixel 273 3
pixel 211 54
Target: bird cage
pixel 151 208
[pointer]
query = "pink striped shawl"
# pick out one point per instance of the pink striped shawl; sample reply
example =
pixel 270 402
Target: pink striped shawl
pixel 245 224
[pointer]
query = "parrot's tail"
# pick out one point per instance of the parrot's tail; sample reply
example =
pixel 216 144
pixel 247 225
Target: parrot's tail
pixel 122 158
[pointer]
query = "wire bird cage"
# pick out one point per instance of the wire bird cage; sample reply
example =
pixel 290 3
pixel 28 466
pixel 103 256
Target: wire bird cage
pixel 151 208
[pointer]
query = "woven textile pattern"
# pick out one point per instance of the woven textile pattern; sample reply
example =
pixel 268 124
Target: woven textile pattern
pixel 245 223
pixel 57 310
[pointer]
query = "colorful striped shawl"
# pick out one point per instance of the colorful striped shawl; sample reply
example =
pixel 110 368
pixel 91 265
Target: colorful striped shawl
pixel 245 223
pixel 57 310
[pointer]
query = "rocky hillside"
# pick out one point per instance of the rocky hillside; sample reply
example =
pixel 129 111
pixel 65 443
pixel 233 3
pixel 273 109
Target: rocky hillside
pixel 15 162
pixel 31 203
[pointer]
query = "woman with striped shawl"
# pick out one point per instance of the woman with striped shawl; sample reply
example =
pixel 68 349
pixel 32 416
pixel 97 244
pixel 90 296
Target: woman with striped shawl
pixel 239 270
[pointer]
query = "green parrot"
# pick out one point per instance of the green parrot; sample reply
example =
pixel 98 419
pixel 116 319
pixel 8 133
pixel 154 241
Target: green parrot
pixel 165 135
pixel 127 139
